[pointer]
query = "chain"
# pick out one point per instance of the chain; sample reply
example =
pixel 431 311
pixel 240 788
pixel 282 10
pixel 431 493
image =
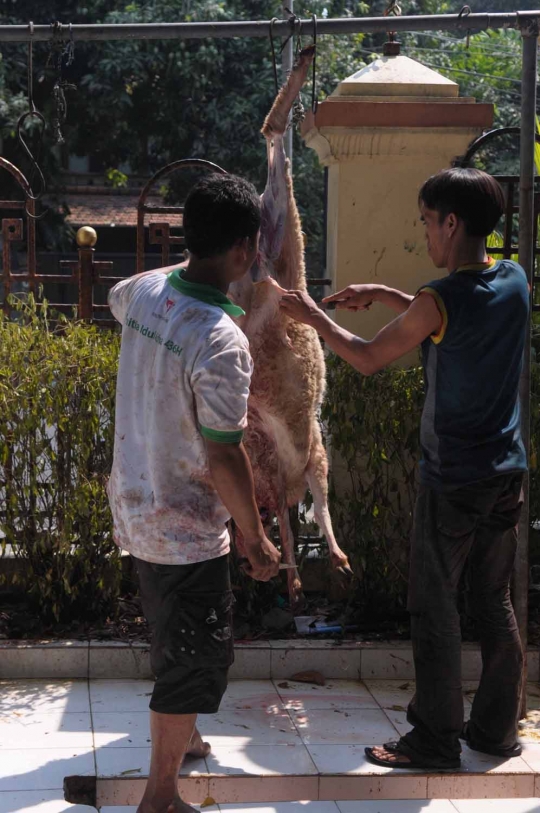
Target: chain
pixel 32 114
pixel 57 51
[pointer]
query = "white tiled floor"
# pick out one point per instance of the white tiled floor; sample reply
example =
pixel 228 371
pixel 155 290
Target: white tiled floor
pixel 362 806
pixel 264 730
pixel 39 801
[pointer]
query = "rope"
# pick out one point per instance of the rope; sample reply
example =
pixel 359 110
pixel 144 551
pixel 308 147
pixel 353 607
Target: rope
pixel 57 51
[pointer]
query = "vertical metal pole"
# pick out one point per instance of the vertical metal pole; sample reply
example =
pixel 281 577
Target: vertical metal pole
pixel 287 60
pixel 86 283
pixel 529 34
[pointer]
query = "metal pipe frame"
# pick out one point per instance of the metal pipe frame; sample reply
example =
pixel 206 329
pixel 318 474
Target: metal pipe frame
pixel 260 28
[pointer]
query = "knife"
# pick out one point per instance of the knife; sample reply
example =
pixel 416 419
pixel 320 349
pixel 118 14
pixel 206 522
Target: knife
pixel 331 306
pixel 282 566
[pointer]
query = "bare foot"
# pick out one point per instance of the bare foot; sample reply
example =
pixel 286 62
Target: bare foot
pixel 381 752
pixel 176 806
pixel 197 748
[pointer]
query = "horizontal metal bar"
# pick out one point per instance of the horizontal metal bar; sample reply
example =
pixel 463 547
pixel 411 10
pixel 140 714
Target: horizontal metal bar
pixel 260 28
pixel 68 279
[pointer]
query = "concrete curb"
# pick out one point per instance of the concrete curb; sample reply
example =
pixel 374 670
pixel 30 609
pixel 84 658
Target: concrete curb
pixel 255 660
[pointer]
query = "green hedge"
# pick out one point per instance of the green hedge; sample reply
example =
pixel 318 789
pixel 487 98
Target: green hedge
pixel 57 385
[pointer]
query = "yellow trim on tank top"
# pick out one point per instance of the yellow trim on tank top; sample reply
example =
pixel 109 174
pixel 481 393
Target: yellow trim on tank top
pixel 478 266
pixel 437 338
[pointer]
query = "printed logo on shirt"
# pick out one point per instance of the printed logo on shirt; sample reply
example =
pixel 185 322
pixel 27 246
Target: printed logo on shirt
pixel 154 335
pixel 170 303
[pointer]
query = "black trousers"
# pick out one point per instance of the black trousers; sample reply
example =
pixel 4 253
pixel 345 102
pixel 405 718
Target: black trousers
pixel 471 532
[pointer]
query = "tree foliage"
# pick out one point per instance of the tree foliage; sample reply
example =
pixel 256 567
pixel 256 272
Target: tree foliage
pixel 147 103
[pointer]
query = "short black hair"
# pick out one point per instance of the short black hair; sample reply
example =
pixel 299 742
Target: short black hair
pixel 219 211
pixel 470 194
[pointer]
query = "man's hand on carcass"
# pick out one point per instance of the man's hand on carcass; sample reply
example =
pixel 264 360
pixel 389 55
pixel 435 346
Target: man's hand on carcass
pixel 354 297
pixel 232 477
pixel 300 306
pixel 263 558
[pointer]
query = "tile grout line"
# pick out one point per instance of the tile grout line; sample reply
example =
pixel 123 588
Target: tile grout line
pixel 94 755
pixel 381 708
pixel 304 744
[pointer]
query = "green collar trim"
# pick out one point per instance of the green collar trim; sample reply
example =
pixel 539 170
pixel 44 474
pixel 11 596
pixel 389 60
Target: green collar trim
pixel 204 293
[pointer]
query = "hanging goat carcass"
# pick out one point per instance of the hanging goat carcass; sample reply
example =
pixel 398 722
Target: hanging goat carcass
pixel 283 438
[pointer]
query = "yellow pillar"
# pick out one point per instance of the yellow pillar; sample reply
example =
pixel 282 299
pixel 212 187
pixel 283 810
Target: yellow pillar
pixel 383 131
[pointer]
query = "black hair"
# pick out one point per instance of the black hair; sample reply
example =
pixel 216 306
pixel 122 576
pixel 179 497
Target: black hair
pixel 470 194
pixel 219 211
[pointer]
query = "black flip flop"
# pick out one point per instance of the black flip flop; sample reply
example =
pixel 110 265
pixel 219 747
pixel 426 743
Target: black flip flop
pixel 415 763
pixel 504 753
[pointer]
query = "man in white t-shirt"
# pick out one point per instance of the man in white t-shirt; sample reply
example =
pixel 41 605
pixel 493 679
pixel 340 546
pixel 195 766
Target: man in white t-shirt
pixel 180 470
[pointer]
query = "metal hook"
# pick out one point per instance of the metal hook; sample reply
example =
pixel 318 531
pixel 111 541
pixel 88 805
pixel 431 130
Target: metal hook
pixel 465 11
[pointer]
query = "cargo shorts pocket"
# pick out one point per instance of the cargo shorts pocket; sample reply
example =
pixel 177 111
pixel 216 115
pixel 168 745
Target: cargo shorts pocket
pixel 202 628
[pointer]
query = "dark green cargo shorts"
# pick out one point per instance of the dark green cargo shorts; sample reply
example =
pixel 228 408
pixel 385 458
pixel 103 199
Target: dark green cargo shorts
pixel 189 610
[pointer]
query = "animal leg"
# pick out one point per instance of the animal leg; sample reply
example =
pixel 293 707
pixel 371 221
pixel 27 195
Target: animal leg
pixel 274 202
pixel 276 121
pixel 296 597
pixel 317 477
pixel 281 252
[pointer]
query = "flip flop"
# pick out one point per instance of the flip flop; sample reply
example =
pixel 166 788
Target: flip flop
pixel 415 763
pixel 492 750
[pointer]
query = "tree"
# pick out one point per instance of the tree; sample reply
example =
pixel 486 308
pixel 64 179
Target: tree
pixel 150 102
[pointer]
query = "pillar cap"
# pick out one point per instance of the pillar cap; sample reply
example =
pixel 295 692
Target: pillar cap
pixel 397 76
pixel 86 237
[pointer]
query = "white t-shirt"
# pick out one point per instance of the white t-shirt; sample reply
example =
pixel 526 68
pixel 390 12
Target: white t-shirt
pixel 184 374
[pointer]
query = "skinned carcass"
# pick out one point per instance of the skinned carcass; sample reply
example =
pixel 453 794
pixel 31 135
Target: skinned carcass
pixel 283 437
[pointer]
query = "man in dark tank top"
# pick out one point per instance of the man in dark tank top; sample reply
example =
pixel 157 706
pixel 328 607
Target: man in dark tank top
pixel 471 326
